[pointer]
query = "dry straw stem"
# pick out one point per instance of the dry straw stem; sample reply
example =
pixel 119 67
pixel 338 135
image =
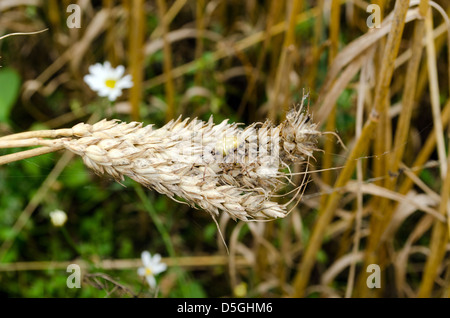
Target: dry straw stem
pixel 213 167
pixel 425 152
pixel 401 134
pixel 284 64
pixel 32 138
pixel 379 225
pixel 21 33
pixel 167 63
pixel 356 50
pixel 403 127
pixel 363 43
pixel 439 240
pixel 137 27
pixel 434 91
pixel 362 87
pixel 121 264
pixel 316 48
pixel 331 120
pixel 27 154
pixel 73 55
pixel 240 45
pixel 168 17
pixel 274 9
pixel 326 214
pixel 200 28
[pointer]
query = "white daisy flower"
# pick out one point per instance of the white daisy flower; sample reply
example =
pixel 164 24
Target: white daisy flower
pixel 58 218
pixel 152 267
pixel 108 81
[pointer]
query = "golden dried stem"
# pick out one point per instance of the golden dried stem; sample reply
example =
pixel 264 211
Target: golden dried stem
pixel 167 62
pixel 284 62
pixel 439 241
pixel 65 132
pixel 27 154
pixel 29 143
pixel 199 44
pixel 239 46
pixel 391 50
pixel 329 146
pixel 378 225
pixel 136 56
pixel 426 151
pixel 434 92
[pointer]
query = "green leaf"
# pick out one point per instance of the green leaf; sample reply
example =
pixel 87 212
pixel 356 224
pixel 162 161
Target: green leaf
pixel 38 166
pixel 75 175
pixel 9 91
pixel 196 290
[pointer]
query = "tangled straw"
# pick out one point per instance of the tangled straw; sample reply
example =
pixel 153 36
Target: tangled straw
pixel 214 167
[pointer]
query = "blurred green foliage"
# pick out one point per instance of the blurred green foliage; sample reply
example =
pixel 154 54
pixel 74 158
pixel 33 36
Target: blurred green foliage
pixel 10 87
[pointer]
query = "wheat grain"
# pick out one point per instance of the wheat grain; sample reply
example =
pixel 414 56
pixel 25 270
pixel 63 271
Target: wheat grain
pixel 213 167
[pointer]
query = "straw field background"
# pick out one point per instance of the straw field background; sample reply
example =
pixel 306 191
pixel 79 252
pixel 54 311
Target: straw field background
pixel 377 77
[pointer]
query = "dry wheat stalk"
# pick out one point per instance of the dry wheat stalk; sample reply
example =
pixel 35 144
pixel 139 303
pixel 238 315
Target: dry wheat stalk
pixel 214 167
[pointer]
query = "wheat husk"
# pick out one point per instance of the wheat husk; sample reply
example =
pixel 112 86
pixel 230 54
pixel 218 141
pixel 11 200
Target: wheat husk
pixel 214 167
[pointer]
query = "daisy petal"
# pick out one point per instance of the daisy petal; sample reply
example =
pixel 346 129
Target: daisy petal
pixel 96 69
pixel 119 71
pixel 156 258
pixel 93 83
pixel 151 281
pixel 141 271
pixel 146 258
pixel 114 94
pixel 159 268
pixel 107 66
pixel 125 82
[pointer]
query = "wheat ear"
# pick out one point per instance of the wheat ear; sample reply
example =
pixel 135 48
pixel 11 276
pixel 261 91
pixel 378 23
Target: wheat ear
pixel 215 167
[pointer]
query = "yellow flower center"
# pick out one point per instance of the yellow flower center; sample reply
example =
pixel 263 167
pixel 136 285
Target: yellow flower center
pixel 111 83
pixel 148 271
